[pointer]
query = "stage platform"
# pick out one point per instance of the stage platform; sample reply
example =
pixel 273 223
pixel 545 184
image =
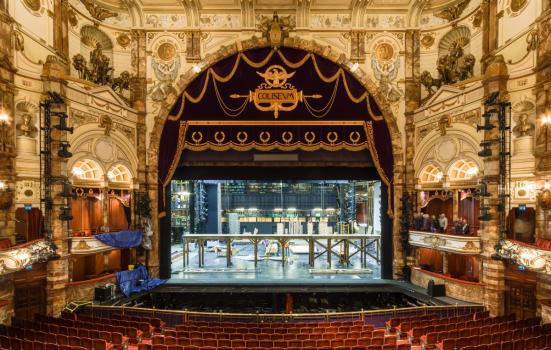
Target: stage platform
pixel 183 286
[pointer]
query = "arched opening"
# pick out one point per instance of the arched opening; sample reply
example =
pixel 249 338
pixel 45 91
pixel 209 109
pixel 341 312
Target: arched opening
pixel 265 117
pixel 87 206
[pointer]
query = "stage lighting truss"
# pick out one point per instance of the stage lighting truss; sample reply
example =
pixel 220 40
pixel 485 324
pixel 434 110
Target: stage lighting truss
pixel 49 109
pixel 497 116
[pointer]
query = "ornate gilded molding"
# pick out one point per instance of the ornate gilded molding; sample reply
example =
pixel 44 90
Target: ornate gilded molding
pixel 18 257
pixel 532 257
pixel 98 12
pixel 451 13
pixel 450 243
pixel 87 245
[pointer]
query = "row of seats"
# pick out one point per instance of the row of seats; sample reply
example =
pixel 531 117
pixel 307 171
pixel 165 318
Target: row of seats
pixel 154 321
pixel 403 324
pixel 493 336
pixel 534 343
pixel 246 335
pixel 453 343
pixel 448 322
pixel 358 328
pixel 494 324
pixel 131 333
pixel 267 342
pixel 324 324
pixel 145 327
pixel 40 330
pixel 60 339
pixel 24 344
pixel 370 347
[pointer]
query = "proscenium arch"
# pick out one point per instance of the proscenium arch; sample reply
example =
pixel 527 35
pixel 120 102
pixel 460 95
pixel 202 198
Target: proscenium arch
pixel 338 59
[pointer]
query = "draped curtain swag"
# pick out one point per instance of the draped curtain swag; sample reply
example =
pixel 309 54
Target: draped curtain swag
pixel 209 115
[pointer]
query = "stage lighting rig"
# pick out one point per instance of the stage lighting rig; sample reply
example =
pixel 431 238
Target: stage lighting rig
pixel 65 214
pixel 67 191
pixel 492 99
pixel 486 151
pixel 63 152
pixel 484 214
pixel 483 188
pixel 487 123
pixel 62 126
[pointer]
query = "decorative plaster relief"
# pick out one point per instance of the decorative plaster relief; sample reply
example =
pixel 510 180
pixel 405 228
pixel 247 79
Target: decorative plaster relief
pixel 27 192
pixel 165 21
pixel 450 243
pixel 18 257
pixel 330 21
pixel 226 21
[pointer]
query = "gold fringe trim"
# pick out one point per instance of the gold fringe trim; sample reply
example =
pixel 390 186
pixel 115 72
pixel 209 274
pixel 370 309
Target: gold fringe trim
pixel 242 57
pixel 276 146
pixel 368 126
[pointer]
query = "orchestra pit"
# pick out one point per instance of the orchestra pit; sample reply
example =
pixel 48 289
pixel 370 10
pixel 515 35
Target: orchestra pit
pixel 275 174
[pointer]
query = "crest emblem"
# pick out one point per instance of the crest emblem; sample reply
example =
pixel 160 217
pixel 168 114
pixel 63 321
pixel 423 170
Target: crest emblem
pixel 275 93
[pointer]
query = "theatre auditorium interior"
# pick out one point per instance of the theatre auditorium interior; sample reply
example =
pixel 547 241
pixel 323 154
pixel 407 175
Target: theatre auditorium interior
pixel 275 174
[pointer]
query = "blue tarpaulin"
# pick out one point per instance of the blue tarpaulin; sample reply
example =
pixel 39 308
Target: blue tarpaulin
pixel 137 280
pixel 121 239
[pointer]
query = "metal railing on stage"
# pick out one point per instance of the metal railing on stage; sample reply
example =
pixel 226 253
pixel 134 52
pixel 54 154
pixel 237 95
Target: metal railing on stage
pixel 374 317
pixel 360 242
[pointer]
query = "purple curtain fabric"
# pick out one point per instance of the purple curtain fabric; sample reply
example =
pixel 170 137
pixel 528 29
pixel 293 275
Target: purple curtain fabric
pixel 246 79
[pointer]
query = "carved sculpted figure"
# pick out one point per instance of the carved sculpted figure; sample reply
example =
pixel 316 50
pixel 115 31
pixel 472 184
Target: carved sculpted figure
pixel 26 128
pixel 452 68
pixel 523 127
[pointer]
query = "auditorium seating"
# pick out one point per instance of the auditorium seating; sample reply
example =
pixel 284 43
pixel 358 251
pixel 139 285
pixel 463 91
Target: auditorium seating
pixel 466 332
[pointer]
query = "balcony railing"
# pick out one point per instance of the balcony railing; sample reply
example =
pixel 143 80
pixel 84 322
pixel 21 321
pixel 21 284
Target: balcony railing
pixel 533 257
pixel 91 244
pixel 18 257
pixel 459 244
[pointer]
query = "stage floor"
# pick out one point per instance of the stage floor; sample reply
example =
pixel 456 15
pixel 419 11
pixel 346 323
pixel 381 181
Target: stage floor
pixel 270 269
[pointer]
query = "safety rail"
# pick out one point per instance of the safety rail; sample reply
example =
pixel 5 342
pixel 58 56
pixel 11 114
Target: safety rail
pixel 374 317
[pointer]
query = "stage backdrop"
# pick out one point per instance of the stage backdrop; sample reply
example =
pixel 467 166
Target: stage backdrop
pixel 275 99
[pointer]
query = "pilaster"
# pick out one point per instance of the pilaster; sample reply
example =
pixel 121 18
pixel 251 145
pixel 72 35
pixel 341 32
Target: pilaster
pixel 57 270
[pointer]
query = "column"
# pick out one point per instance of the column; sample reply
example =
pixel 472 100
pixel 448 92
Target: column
pixel 412 101
pixel 445 262
pixel 495 79
pixel 57 270
pixel 7 154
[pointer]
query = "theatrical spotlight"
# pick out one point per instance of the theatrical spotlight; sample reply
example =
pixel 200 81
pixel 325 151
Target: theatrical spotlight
pixel 63 152
pixel 55 97
pixel 62 126
pixel 487 124
pixel 484 214
pixel 67 191
pixel 483 189
pixel 492 98
pixel 65 214
pixel 486 151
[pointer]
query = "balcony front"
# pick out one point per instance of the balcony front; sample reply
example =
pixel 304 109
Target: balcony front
pixel 103 242
pixel 453 243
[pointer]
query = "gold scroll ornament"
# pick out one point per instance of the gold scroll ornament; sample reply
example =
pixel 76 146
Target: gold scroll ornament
pixel 275 94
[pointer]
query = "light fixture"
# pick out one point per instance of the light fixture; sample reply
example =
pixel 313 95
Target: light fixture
pixel 78 172
pixel 6 198
pixel 3 186
pixel 63 151
pixel 196 69
pixel 291 209
pixel 354 67
pixel 253 209
pixel 439 176
pixel 278 209
pixel 4 117
pixel 472 171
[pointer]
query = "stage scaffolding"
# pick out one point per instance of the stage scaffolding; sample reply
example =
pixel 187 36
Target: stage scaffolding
pixel 327 243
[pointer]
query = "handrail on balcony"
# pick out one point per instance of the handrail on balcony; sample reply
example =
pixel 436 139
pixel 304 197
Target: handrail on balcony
pixel 375 317
pixel 449 278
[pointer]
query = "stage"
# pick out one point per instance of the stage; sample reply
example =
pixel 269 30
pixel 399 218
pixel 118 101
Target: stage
pixel 301 259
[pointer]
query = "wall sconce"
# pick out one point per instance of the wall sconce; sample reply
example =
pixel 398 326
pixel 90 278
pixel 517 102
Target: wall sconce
pixel 6 196
pixel 544 195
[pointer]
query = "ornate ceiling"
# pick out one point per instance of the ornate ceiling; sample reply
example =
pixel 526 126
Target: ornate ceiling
pixel 285 6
